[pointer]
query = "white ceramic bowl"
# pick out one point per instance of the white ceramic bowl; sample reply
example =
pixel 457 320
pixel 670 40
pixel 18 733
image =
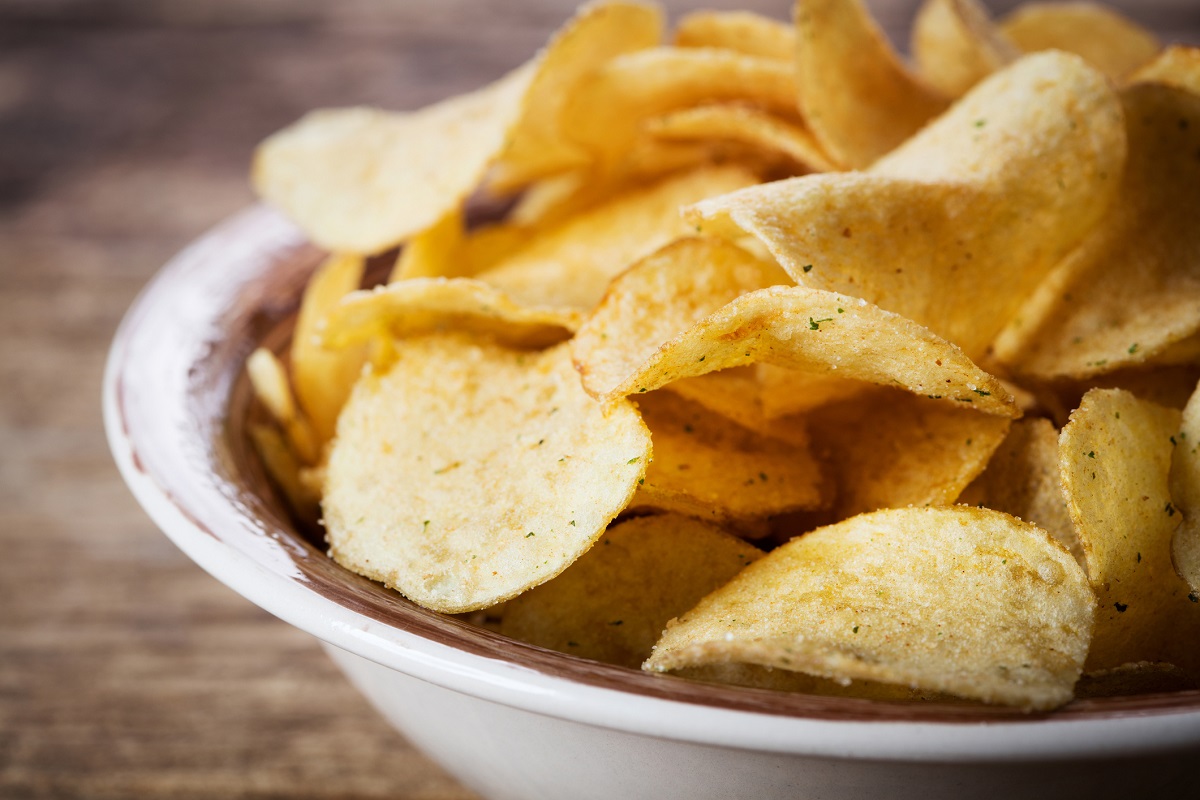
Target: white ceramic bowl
pixel 515 721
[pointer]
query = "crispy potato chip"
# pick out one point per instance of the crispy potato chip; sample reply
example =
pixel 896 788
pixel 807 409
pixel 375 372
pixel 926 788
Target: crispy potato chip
pixel 570 265
pixel 599 32
pixel 1107 40
pixel 432 252
pixel 741 31
pixel 1115 457
pixel 1185 494
pixel 469 473
pixel 613 603
pixel 420 306
pixel 747 126
pixel 358 179
pixel 806 329
pixel 323 379
pixel 284 470
pixel 855 94
pixel 887 449
pixel 784 392
pixel 608 111
pixel 1132 288
pixel 706 467
pixel 1178 66
pixel 999 188
pixel 269 379
pixel 1022 479
pixel 957 45
pixel 961 600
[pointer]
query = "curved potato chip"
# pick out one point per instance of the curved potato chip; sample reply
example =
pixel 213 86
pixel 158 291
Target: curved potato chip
pixel 1115 457
pixel 957 45
pixel 1132 288
pixel 1185 494
pixel 960 600
pixel 569 266
pixel 269 380
pixel 784 392
pixel 469 473
pixel 432 252
pixel 799 328
pixel 706 467
pixel 741 31
pixel 1178 66
pixel 999 188
pixel 284 469
pixel 433 305
pixel 1107 40
pixel 746 126
pixel 855 94
pixel 613 603
pixel 607 112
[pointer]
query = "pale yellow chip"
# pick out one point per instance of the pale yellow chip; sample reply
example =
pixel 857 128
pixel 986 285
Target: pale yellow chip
pixel 956 227
pixel 1132 289
pixel 706 467
pixel 741 31
pixel 614 602
pixel 957 45
pixel 569 265
pixel 1185 494
pixel 599 32
pixel 1022 479
pixel 1110 42
pixel 857 96
pixel 269 380
pixel 747 126
pixel 434 305
pixel 791 326
pixel 1178 66
pixel 469 473
pixel 888 449
pixel 961 600
pixel 433 253
pixel 1115 459
pixel 607 112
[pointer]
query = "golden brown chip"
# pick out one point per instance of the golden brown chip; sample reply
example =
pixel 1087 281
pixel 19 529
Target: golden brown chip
pixel 1185 494
pixel 1178 66
pixel 957 226
pixel 961 600
pixel 284 470
pixel 888 449
pixel 469 473
pixel 269 379
pixel 1115 456
pixel 1110 42
pixel 857 96
pixel 784 392
pixel 957 45
pixel 613 603
pixel 569 266
pixel 748 126
pixel 1132 289
pixel 741 31
pixel 707 467
pixel 432 252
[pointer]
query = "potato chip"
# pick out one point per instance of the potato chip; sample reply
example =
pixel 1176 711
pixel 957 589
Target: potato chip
pixel 1132 289
pixel 957 226
pixel 1115 456
pixel 1107 40
pixel 613 603
pixel 1178 66
pixel 433 253
pixel 1022 479
pixel 855 93
pixel 1185 494
pixel 421 306
pixel 784 392
pixel 741 31
pixel 792 326
pixel 284 470
pixel 570 265
pixel 608 111
pixel 269 379
pixel 469 473
pixel 957 45
pixel 961 600
pixel 599 32
pixel 748 126
pixel 888 449
pixel 706 467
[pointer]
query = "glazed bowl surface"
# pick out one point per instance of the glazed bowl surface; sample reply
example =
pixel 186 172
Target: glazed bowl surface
pixel 512 720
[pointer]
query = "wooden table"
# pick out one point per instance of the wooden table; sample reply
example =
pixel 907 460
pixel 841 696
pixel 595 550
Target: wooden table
pixel 125 129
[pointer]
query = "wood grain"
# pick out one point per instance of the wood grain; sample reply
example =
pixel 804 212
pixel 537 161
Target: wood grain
pixel 125 130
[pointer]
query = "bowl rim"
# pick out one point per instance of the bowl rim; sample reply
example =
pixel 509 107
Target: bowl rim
pixel 165 416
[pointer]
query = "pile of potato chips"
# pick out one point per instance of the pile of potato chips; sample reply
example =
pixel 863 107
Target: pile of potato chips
pixel 792 365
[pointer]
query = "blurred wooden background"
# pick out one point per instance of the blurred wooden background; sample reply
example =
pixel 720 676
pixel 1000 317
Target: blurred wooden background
pixel 125 130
